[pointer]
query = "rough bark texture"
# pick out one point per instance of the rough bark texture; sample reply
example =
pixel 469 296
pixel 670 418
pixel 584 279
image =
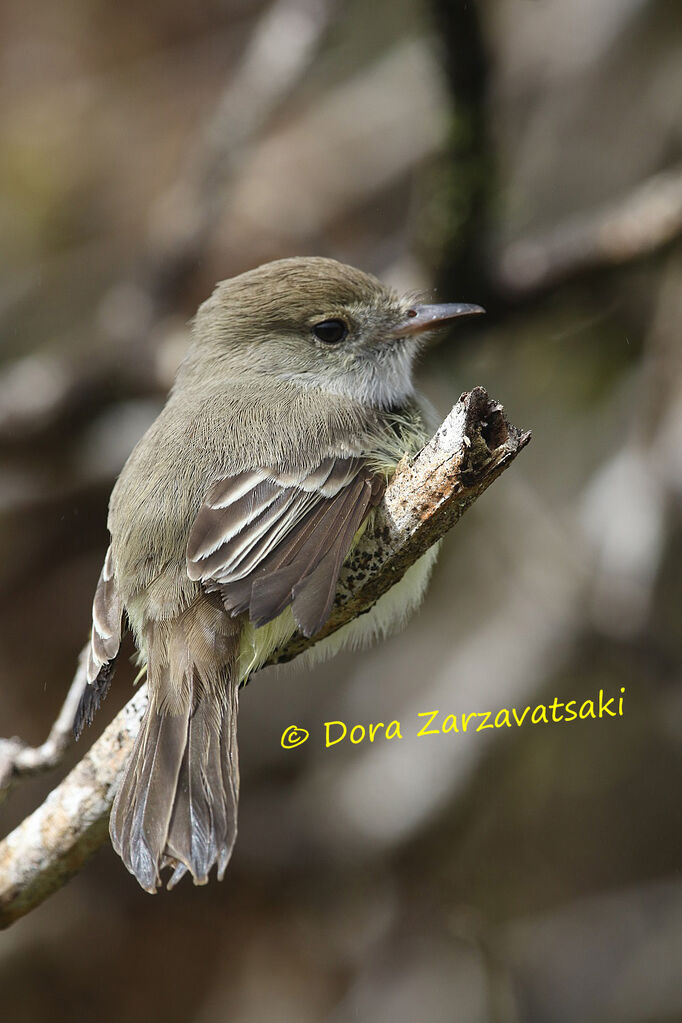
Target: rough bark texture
pixel 426 497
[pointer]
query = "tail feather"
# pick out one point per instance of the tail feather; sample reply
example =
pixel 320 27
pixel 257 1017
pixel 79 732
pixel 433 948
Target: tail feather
pixel 177 803
pixel 203 828
pixel 227 763
pixel 143 805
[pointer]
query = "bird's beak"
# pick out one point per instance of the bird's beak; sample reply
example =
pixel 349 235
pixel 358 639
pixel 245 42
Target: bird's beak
pixel 427 317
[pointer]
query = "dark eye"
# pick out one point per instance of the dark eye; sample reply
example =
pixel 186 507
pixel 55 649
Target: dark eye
pixel 330 331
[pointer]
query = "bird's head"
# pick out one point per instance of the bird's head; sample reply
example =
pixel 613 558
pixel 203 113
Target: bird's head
pixel 317 323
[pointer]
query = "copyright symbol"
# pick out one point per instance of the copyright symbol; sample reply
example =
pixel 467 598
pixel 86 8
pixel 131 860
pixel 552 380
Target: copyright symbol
pixel 294 736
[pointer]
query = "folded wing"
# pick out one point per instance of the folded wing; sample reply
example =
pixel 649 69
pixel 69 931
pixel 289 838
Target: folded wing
pixel 107 614
pixel 268 539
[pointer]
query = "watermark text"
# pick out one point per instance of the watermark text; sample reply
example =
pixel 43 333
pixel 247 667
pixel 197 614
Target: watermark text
pixel 435 722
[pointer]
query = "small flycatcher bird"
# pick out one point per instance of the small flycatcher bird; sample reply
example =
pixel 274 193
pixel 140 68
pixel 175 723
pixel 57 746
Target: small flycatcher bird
pixel 230 523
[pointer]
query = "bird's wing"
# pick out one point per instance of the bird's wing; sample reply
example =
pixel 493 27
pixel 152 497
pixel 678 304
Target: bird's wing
pixel 268 539
pixel 107 614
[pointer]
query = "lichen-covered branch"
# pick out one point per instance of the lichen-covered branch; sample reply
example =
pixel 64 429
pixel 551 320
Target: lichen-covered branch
pixel 426 497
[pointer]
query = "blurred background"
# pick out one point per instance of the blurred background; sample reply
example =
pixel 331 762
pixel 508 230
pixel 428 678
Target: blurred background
pixel 522 154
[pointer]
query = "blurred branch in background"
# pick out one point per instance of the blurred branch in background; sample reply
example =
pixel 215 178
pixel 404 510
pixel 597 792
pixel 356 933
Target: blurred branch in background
pixel 425 498
pixel 280 51
pixel 39 390
pixel 635 496
pixel 644 221
pixel 19 760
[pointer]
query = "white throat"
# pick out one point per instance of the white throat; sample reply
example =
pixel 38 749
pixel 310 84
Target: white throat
pixel 382 382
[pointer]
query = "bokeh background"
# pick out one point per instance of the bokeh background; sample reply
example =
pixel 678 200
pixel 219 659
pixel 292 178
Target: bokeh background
pixel 523 154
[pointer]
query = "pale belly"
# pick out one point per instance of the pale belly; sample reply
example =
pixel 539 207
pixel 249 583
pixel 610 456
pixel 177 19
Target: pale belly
pixel 389 614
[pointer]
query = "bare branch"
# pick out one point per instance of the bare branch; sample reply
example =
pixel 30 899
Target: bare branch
pixel 641 223
pixel 426 497
pixel 17 759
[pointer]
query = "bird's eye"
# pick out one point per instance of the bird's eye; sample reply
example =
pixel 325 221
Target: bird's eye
pixel 330 331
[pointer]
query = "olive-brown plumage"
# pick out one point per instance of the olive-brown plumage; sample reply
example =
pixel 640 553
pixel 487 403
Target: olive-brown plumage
pixel 230 522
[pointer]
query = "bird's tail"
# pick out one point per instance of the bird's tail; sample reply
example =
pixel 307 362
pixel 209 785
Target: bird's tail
pixel 177 802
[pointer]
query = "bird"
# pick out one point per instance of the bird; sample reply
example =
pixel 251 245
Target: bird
pixel 229 525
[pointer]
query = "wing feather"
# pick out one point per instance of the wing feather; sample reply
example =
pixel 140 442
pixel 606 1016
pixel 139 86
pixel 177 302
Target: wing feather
pixel 107 617
pixel 282 542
